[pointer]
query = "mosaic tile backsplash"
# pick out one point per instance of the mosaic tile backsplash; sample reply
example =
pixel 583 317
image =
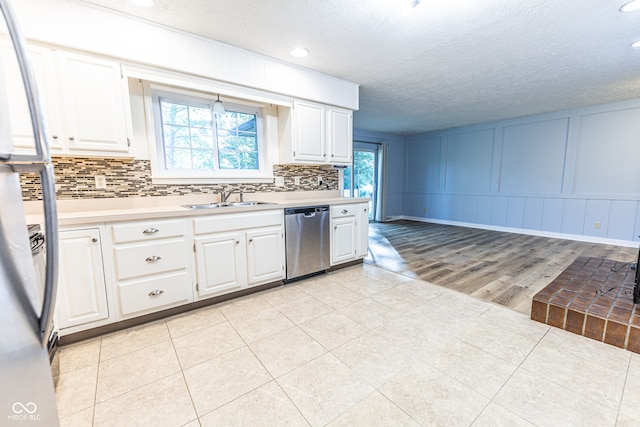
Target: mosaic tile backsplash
pixel 132 178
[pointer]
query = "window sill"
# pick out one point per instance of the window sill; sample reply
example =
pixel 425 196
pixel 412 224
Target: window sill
pixel 221 180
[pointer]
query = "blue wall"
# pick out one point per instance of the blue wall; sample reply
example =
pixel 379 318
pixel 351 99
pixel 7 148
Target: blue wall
pixel 553 173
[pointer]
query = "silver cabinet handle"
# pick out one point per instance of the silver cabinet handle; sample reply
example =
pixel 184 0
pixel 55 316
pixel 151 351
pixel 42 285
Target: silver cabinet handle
pixel 250 240
pixel 94 240
pixel 150 231
pixel 71 138
pixel 153 258
pixel 237 242
pixel 54 136
pixel 344 211
pixel 156 293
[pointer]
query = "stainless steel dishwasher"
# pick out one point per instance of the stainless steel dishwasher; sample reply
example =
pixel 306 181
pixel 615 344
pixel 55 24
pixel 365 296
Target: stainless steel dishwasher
pixel 307 240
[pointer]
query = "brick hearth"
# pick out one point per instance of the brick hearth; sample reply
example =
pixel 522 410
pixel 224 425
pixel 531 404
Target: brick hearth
pixel 593 297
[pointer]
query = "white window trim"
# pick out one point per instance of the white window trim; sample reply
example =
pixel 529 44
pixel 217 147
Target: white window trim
pixel 160 175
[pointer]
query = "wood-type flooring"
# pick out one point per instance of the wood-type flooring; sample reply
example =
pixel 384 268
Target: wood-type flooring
pixel 499 267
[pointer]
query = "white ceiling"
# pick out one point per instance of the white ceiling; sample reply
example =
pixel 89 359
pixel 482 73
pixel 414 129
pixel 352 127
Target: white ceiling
pixel 449 63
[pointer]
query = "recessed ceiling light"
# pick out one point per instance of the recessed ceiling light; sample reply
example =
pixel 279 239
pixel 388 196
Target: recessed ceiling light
pixel 299 52
pixel 631 6
pixel 636 44
pixel 408 6
pixel 143 3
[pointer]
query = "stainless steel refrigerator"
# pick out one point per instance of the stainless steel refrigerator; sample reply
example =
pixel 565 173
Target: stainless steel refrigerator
pixel 26 386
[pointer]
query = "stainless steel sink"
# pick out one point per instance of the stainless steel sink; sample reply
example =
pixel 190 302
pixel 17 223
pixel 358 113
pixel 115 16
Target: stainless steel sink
pixel 224 205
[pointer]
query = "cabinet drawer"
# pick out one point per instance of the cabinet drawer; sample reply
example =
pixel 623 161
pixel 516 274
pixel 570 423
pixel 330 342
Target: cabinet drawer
pixel 142 260
pixel 343 210
pixel 227 222
pixel 154 293
pixel 147 230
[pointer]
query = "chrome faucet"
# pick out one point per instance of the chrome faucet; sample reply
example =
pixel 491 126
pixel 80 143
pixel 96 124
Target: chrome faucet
pixel 224 195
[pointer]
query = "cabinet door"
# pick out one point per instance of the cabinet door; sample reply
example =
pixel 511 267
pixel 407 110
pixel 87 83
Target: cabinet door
pixel 94 110
pixel 362 230
pixel 309 132
pixel 343 240
pixel 81 294
pixel 265 255
pixel 41 60
pixel 340 135
pixel 220 264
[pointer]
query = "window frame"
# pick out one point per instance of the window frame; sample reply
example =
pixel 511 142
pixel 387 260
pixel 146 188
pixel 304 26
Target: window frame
pixel 160 174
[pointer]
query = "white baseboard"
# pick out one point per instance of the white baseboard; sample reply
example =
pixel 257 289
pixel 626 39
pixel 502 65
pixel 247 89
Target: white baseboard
pixel 576 237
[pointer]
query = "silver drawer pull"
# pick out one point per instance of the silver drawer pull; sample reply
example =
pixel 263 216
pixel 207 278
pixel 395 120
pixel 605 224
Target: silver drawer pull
pixel 153 258
pixel 150 231
pixel 344 211
pixel 156 293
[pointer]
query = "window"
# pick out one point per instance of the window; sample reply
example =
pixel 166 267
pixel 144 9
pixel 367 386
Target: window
pixel 191 141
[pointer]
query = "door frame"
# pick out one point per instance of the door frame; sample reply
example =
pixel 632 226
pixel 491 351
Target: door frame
pixel 377 150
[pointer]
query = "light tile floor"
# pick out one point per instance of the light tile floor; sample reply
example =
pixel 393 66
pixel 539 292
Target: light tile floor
pixel 360 346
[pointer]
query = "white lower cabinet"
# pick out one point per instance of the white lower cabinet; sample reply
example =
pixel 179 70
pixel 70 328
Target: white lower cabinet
pixel 145 295
pixel 362 248
pixel 343 240
pixel 146 266
pixel 349 232
pixel 221 263
pixel 265 249
pixel 82 296
pixel 230 256
pixel 151 265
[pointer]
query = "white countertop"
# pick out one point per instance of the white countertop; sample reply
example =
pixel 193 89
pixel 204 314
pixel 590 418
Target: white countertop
pixel 92 211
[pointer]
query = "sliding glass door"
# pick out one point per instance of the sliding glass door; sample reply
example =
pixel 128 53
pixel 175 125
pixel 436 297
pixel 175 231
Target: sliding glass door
pixel 361 178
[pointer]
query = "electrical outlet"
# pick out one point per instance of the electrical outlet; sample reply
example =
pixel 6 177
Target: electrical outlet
pixel 296 180
pixel 597 225
pixel 279 181
pixel 320 181
pixel 101 181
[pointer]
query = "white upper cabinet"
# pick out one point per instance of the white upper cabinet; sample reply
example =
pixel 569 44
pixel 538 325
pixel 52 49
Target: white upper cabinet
pixel 340 135
pixel 312 133
pixel 309 132
pixel 41 60
pixel 94 104
pixel 84 101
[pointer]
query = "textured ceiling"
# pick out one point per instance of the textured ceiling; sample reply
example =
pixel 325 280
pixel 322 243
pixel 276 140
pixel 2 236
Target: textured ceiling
pixel 449 63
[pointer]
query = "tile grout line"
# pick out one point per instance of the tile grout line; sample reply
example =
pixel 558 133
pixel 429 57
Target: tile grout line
pixel 519 366
pixel 186 384
pixel 624 389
